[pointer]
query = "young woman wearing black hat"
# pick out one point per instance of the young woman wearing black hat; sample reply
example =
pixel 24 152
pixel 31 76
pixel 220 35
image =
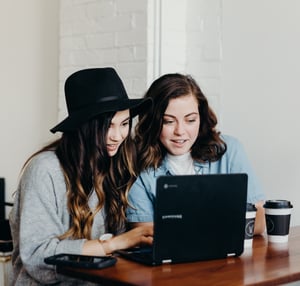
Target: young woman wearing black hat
pixel 74 191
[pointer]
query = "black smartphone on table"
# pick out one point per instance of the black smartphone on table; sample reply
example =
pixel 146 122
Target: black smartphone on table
pixel 81 261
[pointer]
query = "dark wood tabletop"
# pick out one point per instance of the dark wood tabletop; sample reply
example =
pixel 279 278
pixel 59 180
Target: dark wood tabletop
pixel 263 264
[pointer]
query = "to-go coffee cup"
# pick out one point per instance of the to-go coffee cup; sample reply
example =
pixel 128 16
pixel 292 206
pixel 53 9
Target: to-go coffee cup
pixel 278 215
pixel 249 226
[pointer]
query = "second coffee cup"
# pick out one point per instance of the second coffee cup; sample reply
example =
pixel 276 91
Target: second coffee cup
pixel 278 214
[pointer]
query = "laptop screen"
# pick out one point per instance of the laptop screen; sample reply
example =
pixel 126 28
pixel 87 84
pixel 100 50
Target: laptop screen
pixel 199 217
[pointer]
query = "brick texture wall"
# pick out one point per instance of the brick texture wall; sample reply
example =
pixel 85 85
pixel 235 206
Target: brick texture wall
pixel 142 39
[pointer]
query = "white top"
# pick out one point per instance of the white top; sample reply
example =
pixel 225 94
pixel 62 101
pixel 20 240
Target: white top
pixel 181 164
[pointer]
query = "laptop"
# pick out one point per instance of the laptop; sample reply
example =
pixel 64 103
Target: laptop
pixel 196 217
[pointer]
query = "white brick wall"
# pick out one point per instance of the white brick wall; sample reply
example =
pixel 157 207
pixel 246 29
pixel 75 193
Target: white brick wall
pixel 142 39
pixel 98 33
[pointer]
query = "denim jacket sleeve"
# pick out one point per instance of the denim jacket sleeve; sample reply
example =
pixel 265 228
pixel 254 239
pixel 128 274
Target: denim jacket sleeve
pixel 141 198
pixel 235 160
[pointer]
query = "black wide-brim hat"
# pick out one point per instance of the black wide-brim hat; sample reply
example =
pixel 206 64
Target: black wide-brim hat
pixel 94 91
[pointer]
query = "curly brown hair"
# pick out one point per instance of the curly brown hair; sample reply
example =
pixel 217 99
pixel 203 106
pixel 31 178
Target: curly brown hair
pixel 208 147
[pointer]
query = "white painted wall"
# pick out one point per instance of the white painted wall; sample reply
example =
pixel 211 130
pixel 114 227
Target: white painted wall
pixel 28 77
pixel 260 94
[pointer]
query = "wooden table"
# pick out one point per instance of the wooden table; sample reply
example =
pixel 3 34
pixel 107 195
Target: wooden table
pixel 263 264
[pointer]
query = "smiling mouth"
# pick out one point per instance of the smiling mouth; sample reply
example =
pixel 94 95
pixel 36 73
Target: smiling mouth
pixel 112 147
pixel 181 141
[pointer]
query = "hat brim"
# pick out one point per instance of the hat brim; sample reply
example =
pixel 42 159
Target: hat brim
pixel 72 122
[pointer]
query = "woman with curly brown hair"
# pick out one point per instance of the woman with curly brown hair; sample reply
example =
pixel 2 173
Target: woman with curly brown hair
pixel 179 137
pixel 74 190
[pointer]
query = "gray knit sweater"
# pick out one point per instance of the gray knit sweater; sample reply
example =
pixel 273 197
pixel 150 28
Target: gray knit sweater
pixel 38 217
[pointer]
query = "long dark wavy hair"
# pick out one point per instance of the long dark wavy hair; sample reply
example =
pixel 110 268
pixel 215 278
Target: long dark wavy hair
pixel 208 147
pixel 87 166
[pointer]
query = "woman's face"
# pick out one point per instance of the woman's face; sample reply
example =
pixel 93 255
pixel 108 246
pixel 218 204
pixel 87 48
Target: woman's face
pixel 181 122
pixel 118 131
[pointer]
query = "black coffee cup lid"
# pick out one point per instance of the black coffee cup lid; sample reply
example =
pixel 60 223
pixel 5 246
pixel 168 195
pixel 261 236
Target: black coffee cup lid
pixel 278 204
pixel 251 207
